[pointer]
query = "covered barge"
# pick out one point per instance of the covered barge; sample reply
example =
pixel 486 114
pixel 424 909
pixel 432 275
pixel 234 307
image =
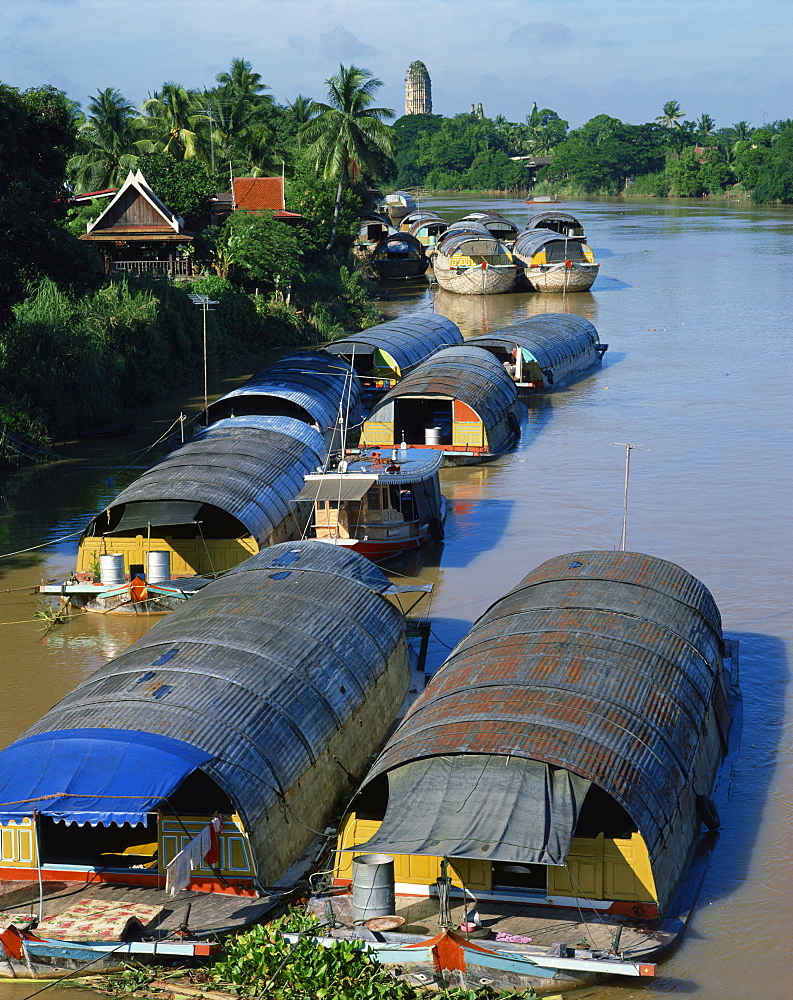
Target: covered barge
pixel 313 386
pixel 560 764
pixel 545 351
pixel 206 507
pixel 250 709
pixel 381 355
pixel 550 262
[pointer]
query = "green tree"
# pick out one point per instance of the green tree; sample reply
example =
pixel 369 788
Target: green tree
pixel 176 123
pixel 671 116
pixel 242 119
pixel 752 156
pixel 348 137
pixel 261 250
pixel 604 152
pixel 109 142
pixel 39 131
pixel 685 172
pixel 775 183
pixel 182 184
pixel 705 127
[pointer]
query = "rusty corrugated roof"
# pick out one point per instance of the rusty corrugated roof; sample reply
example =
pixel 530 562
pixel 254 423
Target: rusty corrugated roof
pixel 603 663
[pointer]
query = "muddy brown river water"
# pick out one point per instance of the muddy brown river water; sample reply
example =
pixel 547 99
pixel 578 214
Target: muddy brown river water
pixel 694 302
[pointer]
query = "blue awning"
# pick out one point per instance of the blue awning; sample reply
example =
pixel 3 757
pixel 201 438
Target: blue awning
pixel 107 776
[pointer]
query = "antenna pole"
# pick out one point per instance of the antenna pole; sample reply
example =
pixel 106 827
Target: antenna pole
pixel 628 449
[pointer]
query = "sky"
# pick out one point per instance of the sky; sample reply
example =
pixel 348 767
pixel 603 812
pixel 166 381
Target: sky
pixel 730 59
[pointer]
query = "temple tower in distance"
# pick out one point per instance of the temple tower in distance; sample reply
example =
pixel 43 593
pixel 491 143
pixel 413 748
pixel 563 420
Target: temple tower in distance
pixel 418 90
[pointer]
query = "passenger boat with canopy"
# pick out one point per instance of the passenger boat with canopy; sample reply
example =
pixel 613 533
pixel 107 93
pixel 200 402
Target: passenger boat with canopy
pixel 545 351
pixel 469 260
pixel 547 261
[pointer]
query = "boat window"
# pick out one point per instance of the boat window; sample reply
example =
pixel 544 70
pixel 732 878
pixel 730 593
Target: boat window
pixel 373 498
pixel 509 875
pixel 560 250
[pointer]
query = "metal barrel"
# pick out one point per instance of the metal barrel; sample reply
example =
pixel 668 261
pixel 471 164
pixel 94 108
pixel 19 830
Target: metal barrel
pixel 158 567
pixel 432 435
pixel 372 886
pixel 111 568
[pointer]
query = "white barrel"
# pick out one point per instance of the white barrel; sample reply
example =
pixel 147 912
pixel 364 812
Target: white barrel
pixel 111 568
pixel 158 567
pixel 372 887
pixel 432 435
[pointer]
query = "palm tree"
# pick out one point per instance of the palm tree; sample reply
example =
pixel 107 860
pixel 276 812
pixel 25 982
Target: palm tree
pixel 301 109
pixel 175 122
pixel 705 126
pixel 110 140
pixel 742 131
pixel 671 115
pixel 348 136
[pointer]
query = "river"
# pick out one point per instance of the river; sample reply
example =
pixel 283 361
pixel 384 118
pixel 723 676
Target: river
pixel 693 301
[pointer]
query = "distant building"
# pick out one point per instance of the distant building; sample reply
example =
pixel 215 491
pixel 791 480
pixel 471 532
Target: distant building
pixel 418 90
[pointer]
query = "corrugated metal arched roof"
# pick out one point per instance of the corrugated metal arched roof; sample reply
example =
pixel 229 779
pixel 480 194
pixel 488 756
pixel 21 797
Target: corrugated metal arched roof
pixel 314 381
pixel 569 222
pixel 602 663
pixel 470 374
pixel 409 340
pixel 249 467
pixel 531 242
pixel 549 338
pixel 258 670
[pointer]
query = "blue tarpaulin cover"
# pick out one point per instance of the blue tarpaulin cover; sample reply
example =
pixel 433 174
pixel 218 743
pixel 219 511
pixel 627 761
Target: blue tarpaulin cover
pixel 107 776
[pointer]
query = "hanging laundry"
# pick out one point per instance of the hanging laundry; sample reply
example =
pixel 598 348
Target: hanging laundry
pixel 177 872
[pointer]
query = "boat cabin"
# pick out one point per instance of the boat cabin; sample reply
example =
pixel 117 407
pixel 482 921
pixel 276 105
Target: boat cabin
pixel 239 705
pixel 379 506
pixel 461 402
pixel 547 261
pixel 383 354
pixel 311 386
pixel 558 222
pixel 399 255
pixel 218 499
pixel 427 228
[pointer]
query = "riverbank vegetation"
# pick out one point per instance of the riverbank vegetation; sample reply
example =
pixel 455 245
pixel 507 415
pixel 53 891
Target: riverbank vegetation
pixel 74 341
pixel 78 347
pixel 604 157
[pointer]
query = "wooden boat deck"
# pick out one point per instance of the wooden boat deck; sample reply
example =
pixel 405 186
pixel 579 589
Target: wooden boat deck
pixel 544 927
pixel 195 912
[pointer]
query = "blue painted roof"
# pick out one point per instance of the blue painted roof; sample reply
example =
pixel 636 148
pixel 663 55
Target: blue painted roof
pixel 93 775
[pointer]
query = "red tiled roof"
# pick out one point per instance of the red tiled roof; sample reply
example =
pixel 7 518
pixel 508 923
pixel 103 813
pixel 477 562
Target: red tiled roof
pixel 259 194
